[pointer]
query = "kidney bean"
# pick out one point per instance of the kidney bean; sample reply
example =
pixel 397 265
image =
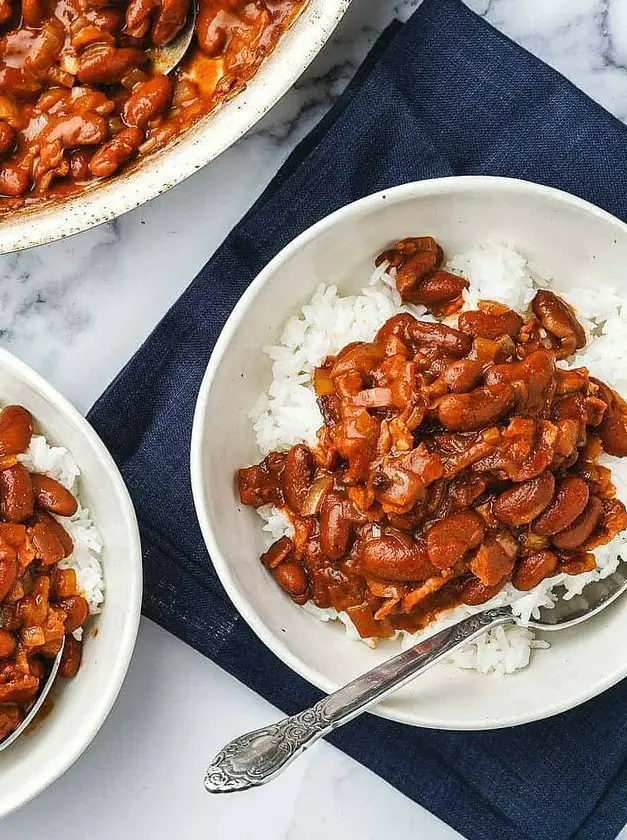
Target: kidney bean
pixel 396 557
pixel 579 564
pixel 52 496
pixel 47 547
pixel 462 376
pixel 7 138
pixel 10 714
pixel 71 657
pixel 33 13
pixel 558 319
pixel 147 101
pixel 435 290
pixel 336 528
pixel 138 17
pixel 6 13
pixel 569 501
pixel 79 165
pixel 481 407
pixel 409 247
pixel 494 560
pixel 523 502
pixel 7 644
pixel 613 427
pixel 475 592
pixel 449 539
pixel 16 494
pixel 102 64
pixel 298 476
pixel 582 528
pixel 53 525
pixel 490 324
pixel 116 152
pixel 452 342
pixel 15 178
pixel 77 611
pixel 16 430
pixel 78 130
pixel 292 578
pixel 531 570
pixel 277 553
pixel 171 16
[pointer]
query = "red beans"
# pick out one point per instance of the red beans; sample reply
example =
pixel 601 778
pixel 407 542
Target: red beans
pixel 481 407
pixel 148 101
pixel 114 154
pixel 570 499
pixel 523 502
pixel 491 324
pixel 452 537
pixel 292 578
pixel 336 528
pixel 102 64
pixel 298 476
pixel 395 557
pixel 77 610
pixel 85 79
pixel 52 496
pixel 70 658
pixel 530 571
pixel 450 463
pixel 576 534
pixel 16 494
pixel 16 429
pixel 558 319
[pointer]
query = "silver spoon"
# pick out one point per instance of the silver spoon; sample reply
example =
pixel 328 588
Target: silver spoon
pixel 165 59
pixel 257 757
pixel 45 691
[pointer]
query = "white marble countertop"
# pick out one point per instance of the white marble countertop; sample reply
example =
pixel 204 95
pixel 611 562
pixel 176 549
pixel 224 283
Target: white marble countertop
pixel 77 310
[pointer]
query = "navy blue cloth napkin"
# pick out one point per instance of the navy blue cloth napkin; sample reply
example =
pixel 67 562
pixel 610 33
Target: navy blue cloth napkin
pixel 444 94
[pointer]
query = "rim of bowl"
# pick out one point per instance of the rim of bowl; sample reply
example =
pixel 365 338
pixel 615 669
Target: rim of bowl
pixel 192 150
pixel 129 628
pixel 360 207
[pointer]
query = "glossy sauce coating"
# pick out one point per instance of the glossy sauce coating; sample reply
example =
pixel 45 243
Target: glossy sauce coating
pixel 452 460
pixel 39 602
pixel 79 99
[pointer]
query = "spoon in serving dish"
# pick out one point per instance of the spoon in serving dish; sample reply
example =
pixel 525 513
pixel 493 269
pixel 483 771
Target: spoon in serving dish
pixel 166 58
pixel 257 757
pixel 45 691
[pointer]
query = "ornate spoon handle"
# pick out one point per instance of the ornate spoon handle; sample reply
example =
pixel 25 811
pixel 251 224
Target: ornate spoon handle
pixel 256 757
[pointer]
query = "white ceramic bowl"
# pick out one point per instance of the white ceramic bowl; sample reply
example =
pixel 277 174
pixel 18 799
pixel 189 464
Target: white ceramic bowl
pixel 80 705
pixel 156 173
pixel 565 238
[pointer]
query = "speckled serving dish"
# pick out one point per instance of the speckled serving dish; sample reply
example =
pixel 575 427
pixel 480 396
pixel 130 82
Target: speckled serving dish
pixel 200 144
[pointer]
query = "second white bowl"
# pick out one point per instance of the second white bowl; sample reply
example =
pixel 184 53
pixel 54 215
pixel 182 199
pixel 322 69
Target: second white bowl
pixel 80 705
pixel 565 238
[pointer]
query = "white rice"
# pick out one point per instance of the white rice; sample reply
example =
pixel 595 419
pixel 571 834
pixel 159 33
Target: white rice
pixel 85 559
pixel 288 413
